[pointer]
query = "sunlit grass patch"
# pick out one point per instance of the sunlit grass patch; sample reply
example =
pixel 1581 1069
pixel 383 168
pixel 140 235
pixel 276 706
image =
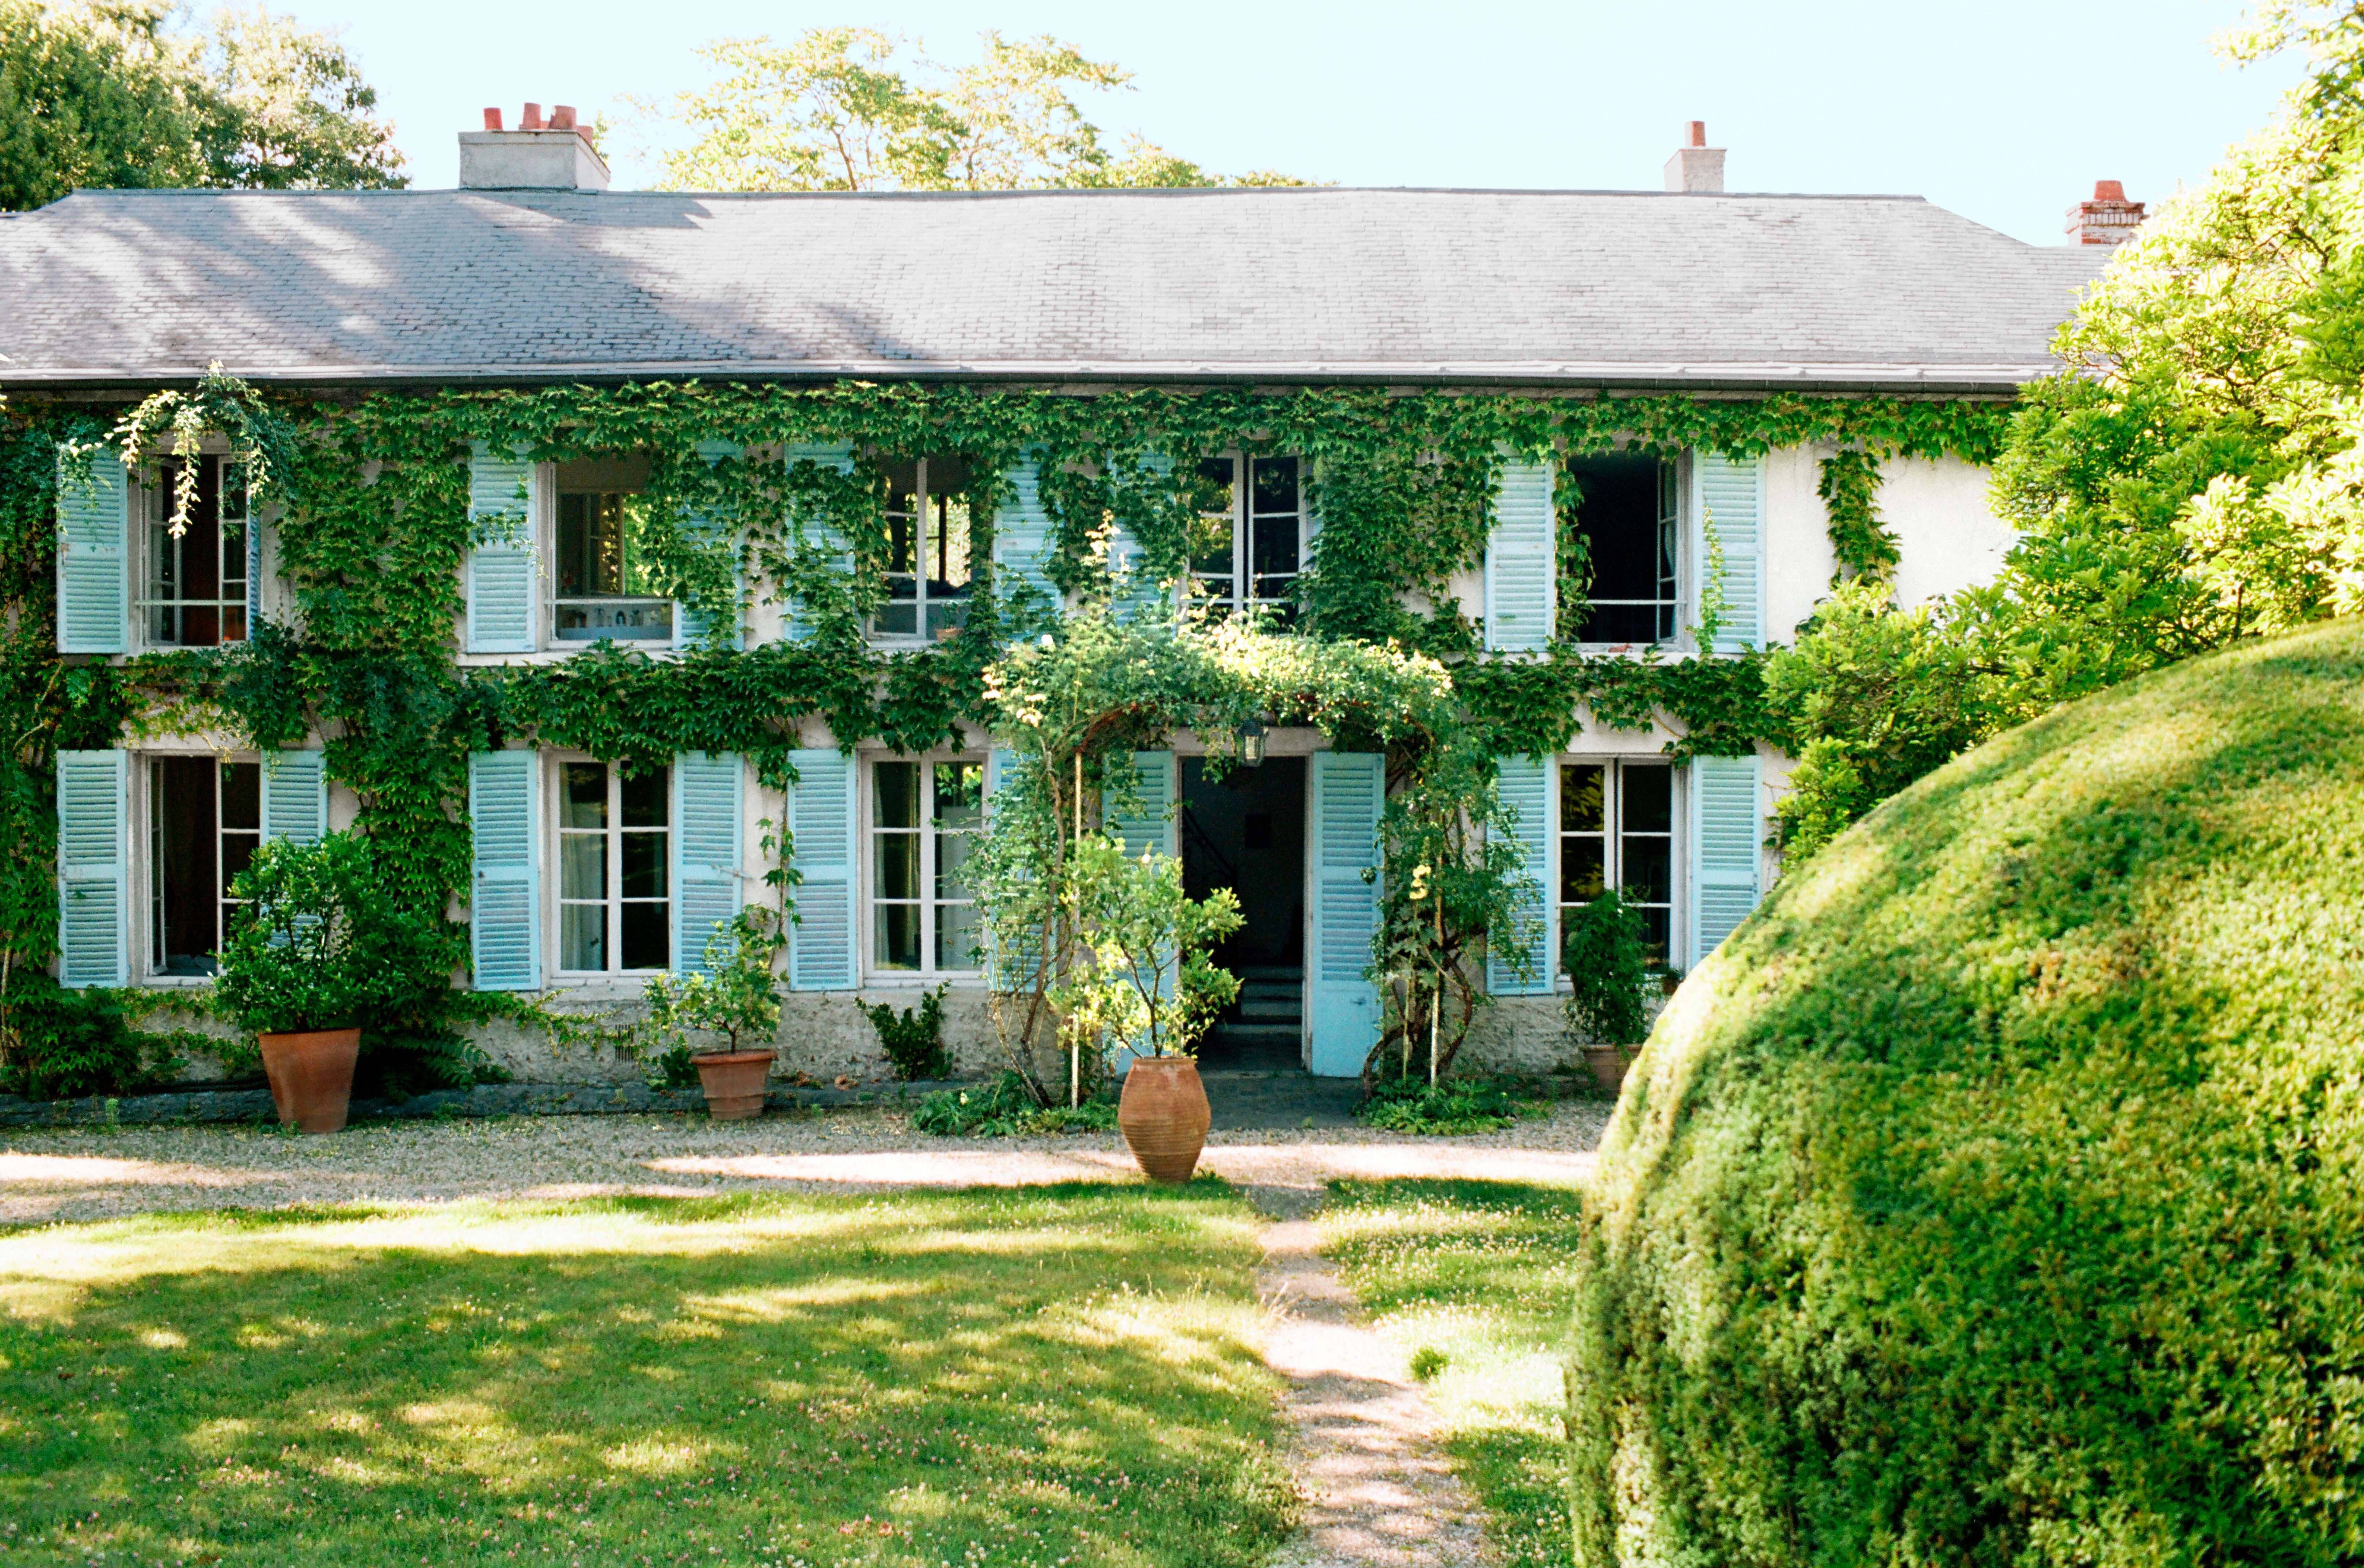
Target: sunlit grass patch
pixel 1053 1376
pixel 1473 1280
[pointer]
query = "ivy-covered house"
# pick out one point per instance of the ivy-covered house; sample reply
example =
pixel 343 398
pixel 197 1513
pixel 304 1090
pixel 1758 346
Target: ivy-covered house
pixel 639 533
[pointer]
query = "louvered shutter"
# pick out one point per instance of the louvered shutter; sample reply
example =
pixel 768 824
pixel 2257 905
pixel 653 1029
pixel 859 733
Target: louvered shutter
pixel 707 838
pixel 1525 785
pixel 93 908
pixel 1021 538
pixel 501 586
pixel 1731 497
pixel 823 825
pixel 1347 791
pixel 1141 593
pixel 295 796
pixel 1727 829
pixel 1151 824
pixel 505 898
pixel 1519 587
pixel 1014 971
pixel 93 559
pixel 690 625
pixel 253 568
pixel 837 454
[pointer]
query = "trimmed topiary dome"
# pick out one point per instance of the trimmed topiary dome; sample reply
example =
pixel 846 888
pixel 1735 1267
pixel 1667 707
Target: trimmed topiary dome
pixel 1996 1194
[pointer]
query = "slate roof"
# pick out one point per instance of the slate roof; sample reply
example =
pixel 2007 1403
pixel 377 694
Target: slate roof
pixel 1577 287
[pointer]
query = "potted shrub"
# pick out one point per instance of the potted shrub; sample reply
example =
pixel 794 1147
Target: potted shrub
pixel 300 967
pixel 1608 954
pixel 1147 989
pixel 737 998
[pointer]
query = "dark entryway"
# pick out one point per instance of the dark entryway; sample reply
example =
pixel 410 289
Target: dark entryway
pixel 1247 832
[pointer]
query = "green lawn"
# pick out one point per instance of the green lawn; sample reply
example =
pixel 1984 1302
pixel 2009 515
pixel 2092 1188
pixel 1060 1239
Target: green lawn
pixel 1054 1376
pixel 1472 1280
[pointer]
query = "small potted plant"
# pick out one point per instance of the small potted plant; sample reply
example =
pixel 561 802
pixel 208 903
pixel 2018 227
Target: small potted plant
pixel 299 969
pixel 737 998
pixel 1607 955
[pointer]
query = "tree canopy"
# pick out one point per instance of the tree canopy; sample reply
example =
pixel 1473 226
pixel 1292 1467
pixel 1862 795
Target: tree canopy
pixel 856 109
pixel 131 92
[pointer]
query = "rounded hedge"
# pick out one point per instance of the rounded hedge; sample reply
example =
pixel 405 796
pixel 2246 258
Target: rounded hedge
pixel 1996 1194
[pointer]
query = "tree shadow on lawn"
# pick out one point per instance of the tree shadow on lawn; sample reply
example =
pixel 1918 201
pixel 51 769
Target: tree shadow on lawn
pixel 1059 1374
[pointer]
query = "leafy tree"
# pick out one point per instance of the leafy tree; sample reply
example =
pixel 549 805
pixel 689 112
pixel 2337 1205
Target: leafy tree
pixel 126 94
pixel 856 109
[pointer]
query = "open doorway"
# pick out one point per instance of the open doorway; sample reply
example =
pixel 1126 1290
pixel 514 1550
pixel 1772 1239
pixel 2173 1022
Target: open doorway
pixel 1247 832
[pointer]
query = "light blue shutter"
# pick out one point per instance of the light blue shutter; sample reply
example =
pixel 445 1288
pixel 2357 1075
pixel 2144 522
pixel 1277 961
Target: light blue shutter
pixel 837 454
pixel 1013 971
pixel 821 822
pixel 1727 826
pixel 1520 585
pixel 1125 555
pixel 295 796
pixel 500 559
pixel 1732 499
pixel 708 836
pixel 504 900
pixel 1021 537
pixel 1525 785
pixel 253 570
pixel 94 909
pixel 690 623
pixel 1348 790
pixel 93 559
pixel 1151 826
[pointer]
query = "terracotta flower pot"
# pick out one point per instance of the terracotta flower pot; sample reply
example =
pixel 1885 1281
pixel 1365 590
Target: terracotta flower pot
pixel 1608 1065
pixel 1163 1116
pixel 733 1081
pixel 311 1076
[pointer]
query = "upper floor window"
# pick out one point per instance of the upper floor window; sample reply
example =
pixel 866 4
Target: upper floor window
pixel 615 904
pixel 1249 551
pixel 1617 830
pixel 602 581
pixel 928 548
pixel 1628 517
pixel 194 586
pixel 922 819
pixel 204 821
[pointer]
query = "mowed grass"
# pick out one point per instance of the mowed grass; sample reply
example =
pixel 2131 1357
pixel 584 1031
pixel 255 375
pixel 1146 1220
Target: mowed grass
pixel 1472 1280
pixel 1042 1377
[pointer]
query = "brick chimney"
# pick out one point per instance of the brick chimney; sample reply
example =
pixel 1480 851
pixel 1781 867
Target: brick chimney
pixel 2108 220
pixel 552 155
pixel 1696 166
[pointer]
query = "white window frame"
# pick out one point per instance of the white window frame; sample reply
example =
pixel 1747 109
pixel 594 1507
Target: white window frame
pixel 544 501
pixel 925 632
pixel 1673 601
pixel 1242 524
pixel 1613 850
pixel 931 968
pixel 151 506
pixel 146 871
pixel 554 900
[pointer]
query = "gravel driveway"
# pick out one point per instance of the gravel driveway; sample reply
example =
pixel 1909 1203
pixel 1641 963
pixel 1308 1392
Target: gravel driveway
pixel 75 1173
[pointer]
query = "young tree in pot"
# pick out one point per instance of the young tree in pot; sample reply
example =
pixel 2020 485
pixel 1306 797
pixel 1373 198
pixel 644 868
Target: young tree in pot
pixel 738 998
pixel 301 966
pixel 1608 950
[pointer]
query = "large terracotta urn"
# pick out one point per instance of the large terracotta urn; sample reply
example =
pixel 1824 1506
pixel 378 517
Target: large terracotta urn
pixel 311 1076
pixel 1163 1116
pixel 733 1081
pixel 1608 1065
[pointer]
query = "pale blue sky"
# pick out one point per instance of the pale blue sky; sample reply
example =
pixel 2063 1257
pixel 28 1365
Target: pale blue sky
pixel 2005 111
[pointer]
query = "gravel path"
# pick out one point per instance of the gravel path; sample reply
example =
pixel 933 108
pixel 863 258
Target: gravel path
pixel 73 1174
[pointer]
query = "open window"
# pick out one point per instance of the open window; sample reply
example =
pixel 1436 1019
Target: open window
pixel 194 584
pixel 928 548
pixel 602 579
pixel 204 821
pixel 1629 519
pixel 1248 550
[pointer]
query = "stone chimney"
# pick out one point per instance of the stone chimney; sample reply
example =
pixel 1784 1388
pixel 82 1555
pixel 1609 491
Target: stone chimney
pixel 2108 220
pixel 1696 166
pixel 537 156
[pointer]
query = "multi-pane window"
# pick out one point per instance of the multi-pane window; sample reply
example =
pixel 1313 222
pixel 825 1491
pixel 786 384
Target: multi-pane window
pixel 615 906
pixel 1628 517
pixel 926 548
pixel 204 820
pixel 1617 830
pixel 1249 550
pixel 604 586
pixel 923 819
pixel 193 593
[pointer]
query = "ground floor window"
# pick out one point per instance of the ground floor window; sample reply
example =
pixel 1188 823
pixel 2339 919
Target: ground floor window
pixel 923 817
pixel 615 903
pixel 1617 830
pixel 205 819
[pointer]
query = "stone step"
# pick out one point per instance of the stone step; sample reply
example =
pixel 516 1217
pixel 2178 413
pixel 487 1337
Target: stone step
pixel 1270 1007
pixel 1256 1034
